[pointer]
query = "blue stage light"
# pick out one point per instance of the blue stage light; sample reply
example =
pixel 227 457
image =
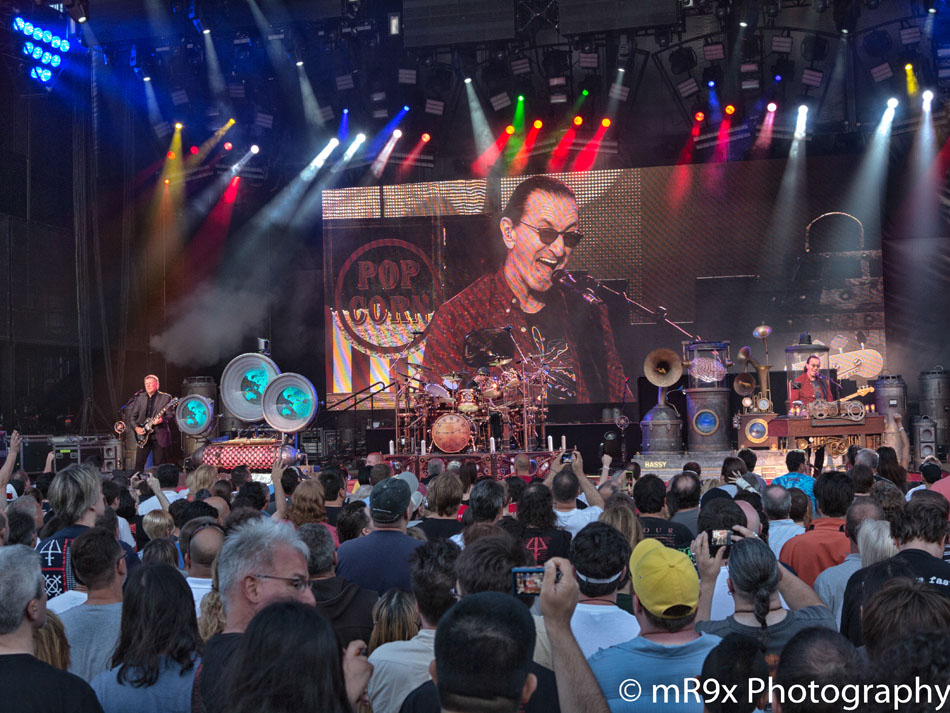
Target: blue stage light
pixel 37 52
pixel 46 58
pixel 18 24
pixel 778 78
pixel 64 46
pixel 45 75
pixel 56 61
pixel 38 34
pixel 28 48
pixel 711 84
pixel 56 42
pixel 28 28
pixel 47 37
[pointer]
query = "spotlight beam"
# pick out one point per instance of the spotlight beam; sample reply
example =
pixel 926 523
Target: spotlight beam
pixel 480 128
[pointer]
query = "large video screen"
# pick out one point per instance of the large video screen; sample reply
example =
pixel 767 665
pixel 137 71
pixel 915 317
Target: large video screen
pixel 568 279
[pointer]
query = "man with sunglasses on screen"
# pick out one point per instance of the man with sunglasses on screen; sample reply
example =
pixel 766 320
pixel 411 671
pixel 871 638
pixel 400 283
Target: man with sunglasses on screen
pixel 539 227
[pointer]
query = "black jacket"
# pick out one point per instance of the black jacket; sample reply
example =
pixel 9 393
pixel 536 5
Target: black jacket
pixel 348 607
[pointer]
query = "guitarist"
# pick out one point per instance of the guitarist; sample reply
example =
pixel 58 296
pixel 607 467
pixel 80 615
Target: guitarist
pixel 145 405
pixel 812 384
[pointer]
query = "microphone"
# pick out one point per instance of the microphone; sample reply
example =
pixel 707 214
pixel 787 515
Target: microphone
pixel 508 328
pixel 568 283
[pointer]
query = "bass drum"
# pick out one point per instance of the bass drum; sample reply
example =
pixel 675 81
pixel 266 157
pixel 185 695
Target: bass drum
pixel 453 432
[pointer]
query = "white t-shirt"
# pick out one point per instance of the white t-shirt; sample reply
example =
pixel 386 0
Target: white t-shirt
pixel 66 601
pixel 199 587
pixel 910 493
pixel 574 520
pixel 600 626
pixel 125 533
pixel 146 506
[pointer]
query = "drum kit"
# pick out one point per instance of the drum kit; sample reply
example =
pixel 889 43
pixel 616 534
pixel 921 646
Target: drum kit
pixel 499 403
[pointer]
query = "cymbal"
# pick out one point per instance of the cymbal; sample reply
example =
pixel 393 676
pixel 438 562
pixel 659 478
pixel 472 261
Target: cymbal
pixel 456 375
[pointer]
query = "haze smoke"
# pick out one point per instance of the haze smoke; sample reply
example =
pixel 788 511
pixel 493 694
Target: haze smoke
pixel 211 325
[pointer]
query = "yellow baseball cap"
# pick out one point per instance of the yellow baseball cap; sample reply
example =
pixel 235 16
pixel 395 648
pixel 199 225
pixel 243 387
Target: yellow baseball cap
pixel 664 580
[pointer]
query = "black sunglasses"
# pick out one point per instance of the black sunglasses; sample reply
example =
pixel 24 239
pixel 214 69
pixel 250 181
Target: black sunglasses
pixel 549 235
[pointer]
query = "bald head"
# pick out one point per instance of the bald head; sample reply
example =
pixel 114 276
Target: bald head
pixel 203 548
pixel 221 505
pixel 755 523
pixel 522 464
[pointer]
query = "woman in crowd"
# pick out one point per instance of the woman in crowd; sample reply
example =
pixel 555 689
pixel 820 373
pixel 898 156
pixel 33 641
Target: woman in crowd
pixel 625 520
pixel 888 466
pixel 153 668
pixel 160 550
pixel 394 618
pixel 289 661
pixel 307 503
pixel 50 644
pixel 353 521
pixel 201 478
pixel 212 617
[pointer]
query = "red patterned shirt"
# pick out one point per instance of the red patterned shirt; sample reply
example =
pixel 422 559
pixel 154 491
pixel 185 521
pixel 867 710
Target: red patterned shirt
pixel 489 303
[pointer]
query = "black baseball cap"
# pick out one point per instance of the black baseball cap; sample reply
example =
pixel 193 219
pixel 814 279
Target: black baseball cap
pixel 389 500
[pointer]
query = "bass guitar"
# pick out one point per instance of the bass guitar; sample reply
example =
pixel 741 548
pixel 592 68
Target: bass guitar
pixel 149 426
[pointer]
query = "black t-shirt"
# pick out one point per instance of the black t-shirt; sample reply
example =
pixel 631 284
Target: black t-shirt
pixel 30 685
pixel 333 512
pixel 545 543
pixel 437 528
pixel 672 534
pixel 218 659
pixel 929 569
pixel 425 699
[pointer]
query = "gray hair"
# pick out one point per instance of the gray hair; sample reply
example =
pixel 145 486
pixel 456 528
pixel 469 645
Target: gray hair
pixel 75 489
pixel 21 580
pixel 436 467
pixel 25 504
pixel 250 549
pixel 867 457
pixel 753 570
pixel 777 502
pixel 875 542
pixel 320 543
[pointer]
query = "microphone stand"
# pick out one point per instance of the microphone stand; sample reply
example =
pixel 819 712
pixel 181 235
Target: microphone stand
pixel 524 387
pixel 659 314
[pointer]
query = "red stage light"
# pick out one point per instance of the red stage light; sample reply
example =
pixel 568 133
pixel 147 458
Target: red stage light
pixel 605 123
pixel 578 120
pixel 771 106
pixel 730 109
pixel 426 138
pixel 167 181
pixel 170 155
pixel 228 146
pixel 194 150
pixel 537 124
pixel 509 129
pixel 699 117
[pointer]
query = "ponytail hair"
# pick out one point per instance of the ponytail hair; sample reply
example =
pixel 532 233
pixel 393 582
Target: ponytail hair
pixel 753 570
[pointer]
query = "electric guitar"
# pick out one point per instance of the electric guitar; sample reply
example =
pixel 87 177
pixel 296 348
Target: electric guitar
pixel 149 425
pixel 863 391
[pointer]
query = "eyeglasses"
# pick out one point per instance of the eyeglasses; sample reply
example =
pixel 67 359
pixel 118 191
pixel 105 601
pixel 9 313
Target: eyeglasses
pixel 549 235
pixel 298 583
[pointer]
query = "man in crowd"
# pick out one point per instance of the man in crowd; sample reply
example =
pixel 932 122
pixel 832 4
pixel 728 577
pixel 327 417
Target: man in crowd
pixel 401 666
pixel 261 562
pixel 76 497
pixel 380 560
pixel 920 530
pixel 777 503
pixel 539 229
pixel 932 475
pixel 797 477
pixel 831 583
pixel 600 555
pixel 722 514
pixel 28 684
pixel 565 485
pixel 168 476
pixel 334 492
pixel 201 540
pixel 649 494
pixel 748 456
pixel 825 543
pixel 92 628
pixel 685 489
pixel 486 503
pixel 816 655
pixel 348 608
pixel 668 650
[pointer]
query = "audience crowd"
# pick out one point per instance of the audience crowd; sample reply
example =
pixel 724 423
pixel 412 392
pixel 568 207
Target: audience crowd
pixel 359 589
